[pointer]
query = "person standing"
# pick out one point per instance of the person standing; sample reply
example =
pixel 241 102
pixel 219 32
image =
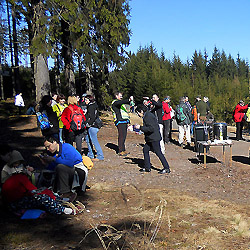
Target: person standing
pixel 19 102
pixel 167 119
pixel 238 117
pixel 91 138
pixel 54 99
pixel 158 112
pixel 132 104
pixel 152 138
pixel 121 120
pixel 184 119
pixel 72 135
pixel 58 108
pixel 45 107
pixel 202 109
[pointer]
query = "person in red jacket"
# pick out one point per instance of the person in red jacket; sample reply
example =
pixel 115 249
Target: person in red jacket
pixel 238 117
pixel 166 119
pixel 19 193
pixel 70 135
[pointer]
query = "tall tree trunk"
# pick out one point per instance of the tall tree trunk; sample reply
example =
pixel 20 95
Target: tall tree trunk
pixel 89 82
pixel 11 49
pixel 57 74
pixel 41 70
pixel 1 79
pixel 41 76
pixel 31 35
pixel 68 58
pixel 14 35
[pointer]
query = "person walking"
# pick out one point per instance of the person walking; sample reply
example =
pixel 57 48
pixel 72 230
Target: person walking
pixel 92 129
pixel 152 138
pixel 121 120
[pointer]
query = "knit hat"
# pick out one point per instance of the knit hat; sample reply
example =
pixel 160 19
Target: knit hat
pixel 87 162
pixel 14 157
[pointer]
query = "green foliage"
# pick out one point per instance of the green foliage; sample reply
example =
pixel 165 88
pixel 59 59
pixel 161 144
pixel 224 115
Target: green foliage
pixel 222 79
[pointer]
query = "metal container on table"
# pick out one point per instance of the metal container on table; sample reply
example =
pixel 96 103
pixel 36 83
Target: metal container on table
pixel 220 131
pixel 200 134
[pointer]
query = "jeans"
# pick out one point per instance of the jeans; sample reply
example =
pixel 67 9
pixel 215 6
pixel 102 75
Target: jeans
pixel 154 147
pixel 61 135
pixel 92 140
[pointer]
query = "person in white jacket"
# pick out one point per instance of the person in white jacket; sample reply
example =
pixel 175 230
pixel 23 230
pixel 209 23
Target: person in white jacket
pixel 19 102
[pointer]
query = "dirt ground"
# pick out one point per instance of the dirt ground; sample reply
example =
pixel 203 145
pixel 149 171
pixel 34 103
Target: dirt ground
pixel 191 208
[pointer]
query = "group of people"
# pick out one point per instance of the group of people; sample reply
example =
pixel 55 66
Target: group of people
pixel 157 123
pixel 73 122
pixel 19 185
pixel 68 123
pixel 77 120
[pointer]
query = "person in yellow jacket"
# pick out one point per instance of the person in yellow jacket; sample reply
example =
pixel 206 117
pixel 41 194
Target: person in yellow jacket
pixel 58 108
pixel 121 120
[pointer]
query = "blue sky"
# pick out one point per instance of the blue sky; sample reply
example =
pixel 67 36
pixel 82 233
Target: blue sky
pixel 183 26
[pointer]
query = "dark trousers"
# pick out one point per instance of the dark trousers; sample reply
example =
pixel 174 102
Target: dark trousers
pixel 239 127
pixel 77 136
pixel 154 147
pixel 81 175
pixel 122 134
pixel 167 130
pixel 64 178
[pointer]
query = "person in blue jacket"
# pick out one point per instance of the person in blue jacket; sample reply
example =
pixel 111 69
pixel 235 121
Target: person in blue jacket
pixel 65 160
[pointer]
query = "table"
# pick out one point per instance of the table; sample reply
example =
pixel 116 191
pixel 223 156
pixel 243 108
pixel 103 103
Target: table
pixel 223 144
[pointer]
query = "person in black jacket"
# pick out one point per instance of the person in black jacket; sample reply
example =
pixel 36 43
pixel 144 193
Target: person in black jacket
pixel 46 107
pixel 91 138
pixel 152 138
pixel 158 112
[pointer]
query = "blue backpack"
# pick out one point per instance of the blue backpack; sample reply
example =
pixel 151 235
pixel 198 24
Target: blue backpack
pixel 43 120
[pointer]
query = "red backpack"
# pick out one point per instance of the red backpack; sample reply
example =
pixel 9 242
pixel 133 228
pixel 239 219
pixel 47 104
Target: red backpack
pixel 77 119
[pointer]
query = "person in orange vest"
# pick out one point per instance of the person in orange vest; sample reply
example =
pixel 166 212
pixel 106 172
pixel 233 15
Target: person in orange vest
pixel 195 118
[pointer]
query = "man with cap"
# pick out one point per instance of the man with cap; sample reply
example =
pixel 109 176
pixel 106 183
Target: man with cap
pixel 167 119
pixel 152 135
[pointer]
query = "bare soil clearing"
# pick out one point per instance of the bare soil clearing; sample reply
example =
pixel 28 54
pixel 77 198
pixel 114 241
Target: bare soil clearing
pixel 192 208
